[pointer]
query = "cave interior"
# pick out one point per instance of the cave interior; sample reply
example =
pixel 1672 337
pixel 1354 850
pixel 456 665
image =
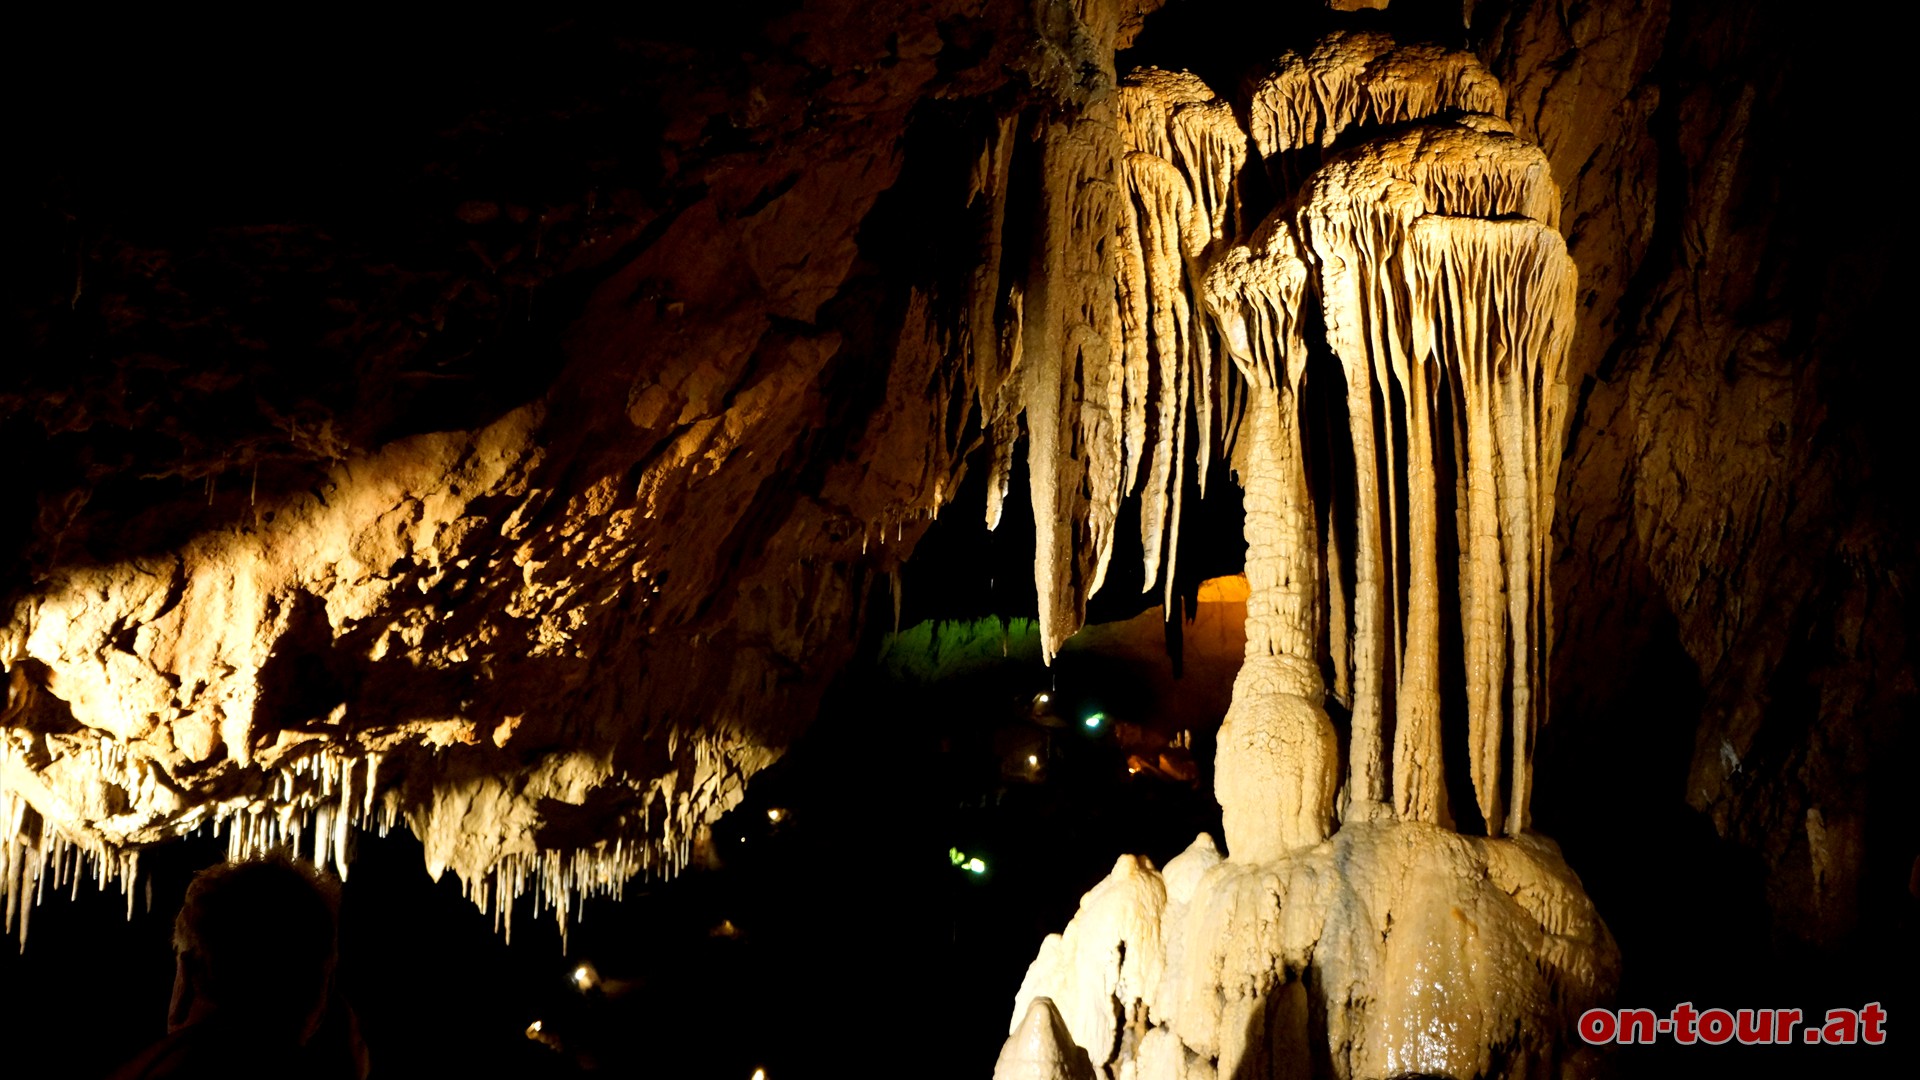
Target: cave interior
pixel 721 524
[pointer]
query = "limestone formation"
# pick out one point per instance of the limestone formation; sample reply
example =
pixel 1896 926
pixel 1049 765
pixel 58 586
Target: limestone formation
pixel 1441 285
pixel 1041 1049
pixel 1444 285
pixel 531 512
pixel 1106 332
pixel 1427 262
pixel 1110 952
pixel 1360 79
pixel 157 671
pixel 1185 151
pixel 1427 953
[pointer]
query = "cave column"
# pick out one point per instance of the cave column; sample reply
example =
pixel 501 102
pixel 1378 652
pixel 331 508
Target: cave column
pixel 1278 761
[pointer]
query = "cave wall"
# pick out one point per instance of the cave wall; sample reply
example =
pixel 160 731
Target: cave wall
pixel 1728 505
pixel 589 615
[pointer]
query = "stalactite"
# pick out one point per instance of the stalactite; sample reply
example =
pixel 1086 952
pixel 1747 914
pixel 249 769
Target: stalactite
pixel 1338 627
pixel 1070 338
pixel 987 197
pixel 995 316
pixel 1501 297
pixel 1184 152
pixel 1163 204
pixel 1353 240
pixel 309 806
pixel 1359 213
pixel 1105 337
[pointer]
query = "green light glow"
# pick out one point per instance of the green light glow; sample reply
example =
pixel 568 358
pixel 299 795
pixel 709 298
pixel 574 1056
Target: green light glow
pixel 976 866
pixel 1095 720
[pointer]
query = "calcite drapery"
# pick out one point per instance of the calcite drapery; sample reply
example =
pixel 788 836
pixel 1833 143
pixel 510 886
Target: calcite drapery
pixel 1117 380
pixel 1444 286
pixel 1444 303
pixel 1431 259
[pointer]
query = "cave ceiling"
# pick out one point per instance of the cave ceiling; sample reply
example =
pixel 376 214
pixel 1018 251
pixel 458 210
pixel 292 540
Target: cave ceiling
pixel 510 444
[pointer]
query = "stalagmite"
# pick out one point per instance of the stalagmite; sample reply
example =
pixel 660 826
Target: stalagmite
pixel 1103 971
pixel 1430 953
pixel 1277 766
pixel 1040 1048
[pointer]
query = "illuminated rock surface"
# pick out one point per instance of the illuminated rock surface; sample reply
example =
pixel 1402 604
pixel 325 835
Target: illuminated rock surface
pixel 1446 295
pixel 1041 1049
pixel 1426 952
pixel 554 643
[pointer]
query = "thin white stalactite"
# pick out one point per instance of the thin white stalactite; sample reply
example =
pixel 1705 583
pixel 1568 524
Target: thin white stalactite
pixel 1163 204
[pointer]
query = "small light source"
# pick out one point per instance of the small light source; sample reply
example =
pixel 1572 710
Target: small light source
pixel 533 1029
pixel 976 865
pixel 1033 759
pixel 584 977
pixel 776 814
pixel 759 1074
pixel 1094 720
pixel 1044 698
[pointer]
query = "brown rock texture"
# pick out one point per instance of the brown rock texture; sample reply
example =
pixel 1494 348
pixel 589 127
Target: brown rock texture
pixel 1729 489
pixel 555 642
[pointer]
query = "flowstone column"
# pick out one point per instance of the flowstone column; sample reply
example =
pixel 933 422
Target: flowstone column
pixel 1277 763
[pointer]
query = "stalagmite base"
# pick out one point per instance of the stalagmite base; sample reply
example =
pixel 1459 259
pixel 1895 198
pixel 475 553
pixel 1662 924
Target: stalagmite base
pixel 1427 952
